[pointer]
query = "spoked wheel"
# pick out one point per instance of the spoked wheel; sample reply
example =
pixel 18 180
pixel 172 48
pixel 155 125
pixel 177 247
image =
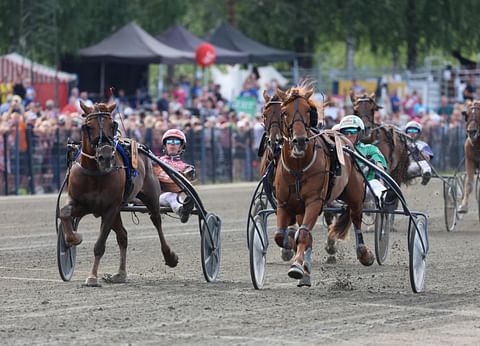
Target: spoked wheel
pixel 450 204
pixel 382 236
pixel 258 251
pixel 259 205
pixel 66 253
pixel 210 240
pixel 418 248
pixel 477 193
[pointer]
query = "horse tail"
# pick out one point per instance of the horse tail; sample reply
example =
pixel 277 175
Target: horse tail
pixel 340 228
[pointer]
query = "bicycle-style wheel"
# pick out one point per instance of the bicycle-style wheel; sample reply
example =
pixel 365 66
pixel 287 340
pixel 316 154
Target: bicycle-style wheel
pixel 418 248
pixel 258 252
pixel 66 253
pixel 450 204
pixel 382 236
pixel 211 247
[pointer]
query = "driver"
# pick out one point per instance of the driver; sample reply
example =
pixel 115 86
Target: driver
pixel 352 127
pixel 420 153
pixel 175 142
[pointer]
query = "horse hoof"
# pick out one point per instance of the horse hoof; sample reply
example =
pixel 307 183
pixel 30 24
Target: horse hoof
pixel 365 256
pixel 172 260
pixel 305 281
pixel 118 278
pixel 92 281
pixel 462 210
pixel 296 271
pixel 287 254
pixel 75 240
pixel 331 260
pixel 330 247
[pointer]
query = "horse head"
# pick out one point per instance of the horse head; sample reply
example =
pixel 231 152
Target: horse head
pixel 296 110
pixel 272 119
pixel 98 132
pixel 472 119
pixel 364 106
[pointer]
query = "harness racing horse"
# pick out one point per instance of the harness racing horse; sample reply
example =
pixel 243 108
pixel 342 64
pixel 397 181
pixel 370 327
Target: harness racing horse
pixel 387 138
pixel 96 185
pixel 272 119
pixel 303 185
pixel 471 148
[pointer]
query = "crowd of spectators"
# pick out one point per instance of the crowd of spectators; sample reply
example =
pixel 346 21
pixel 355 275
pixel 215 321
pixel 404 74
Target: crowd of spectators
pixel 221 142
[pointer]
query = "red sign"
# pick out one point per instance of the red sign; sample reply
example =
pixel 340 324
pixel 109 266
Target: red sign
pixel 205 54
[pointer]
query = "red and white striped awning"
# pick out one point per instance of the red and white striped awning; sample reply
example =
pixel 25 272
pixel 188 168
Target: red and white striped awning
pixel 14 66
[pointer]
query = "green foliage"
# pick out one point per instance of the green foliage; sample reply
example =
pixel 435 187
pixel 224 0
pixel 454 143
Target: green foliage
pixel 409 29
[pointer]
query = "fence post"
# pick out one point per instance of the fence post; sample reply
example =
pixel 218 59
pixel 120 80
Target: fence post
pixel 17 159
pixel 56 160
pixel 5 161
pixel 31 176
pixel 212 146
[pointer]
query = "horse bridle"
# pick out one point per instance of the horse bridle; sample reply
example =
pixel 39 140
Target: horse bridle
pixel 271 124
pixel 289 137
pixel 474 112
pixel 97 142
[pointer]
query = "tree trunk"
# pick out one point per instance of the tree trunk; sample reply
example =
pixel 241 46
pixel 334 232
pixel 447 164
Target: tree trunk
pixel 412 35
pixel 350 55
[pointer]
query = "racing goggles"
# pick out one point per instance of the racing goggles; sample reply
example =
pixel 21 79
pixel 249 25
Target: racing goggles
pixel 173 141
pixel 412 130
pixel 352 131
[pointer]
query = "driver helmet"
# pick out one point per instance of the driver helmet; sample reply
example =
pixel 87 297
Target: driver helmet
pixel 351 121
pixel 175 134
pixel 413 127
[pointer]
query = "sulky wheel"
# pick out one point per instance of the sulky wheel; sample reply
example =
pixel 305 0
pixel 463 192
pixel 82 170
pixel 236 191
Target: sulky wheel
pixel 450 204
pixel 417 248
pixel 477 193
pixel 259 204
pixel 382 236
pixel 258 251
pixel 66 253
pixel 210 243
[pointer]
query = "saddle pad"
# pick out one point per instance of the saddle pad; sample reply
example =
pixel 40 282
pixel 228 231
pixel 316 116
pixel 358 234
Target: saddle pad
pixel 338 146
pixel 134 153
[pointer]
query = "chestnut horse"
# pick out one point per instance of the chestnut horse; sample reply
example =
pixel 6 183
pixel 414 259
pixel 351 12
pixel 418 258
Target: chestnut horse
pixel 272 119
pixel 471 149
pixel 303 186
pixel 387 138
pixel 96 185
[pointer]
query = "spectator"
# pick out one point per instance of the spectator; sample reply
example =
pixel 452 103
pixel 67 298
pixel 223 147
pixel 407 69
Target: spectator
pixel 469 93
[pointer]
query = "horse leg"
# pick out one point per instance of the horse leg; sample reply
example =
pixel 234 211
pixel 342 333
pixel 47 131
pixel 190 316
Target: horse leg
pixel 468 187
pixel 302 264
pixel 283 238
pixel 364 255
pixel 99 247
pixel 67 213
pixel 122 241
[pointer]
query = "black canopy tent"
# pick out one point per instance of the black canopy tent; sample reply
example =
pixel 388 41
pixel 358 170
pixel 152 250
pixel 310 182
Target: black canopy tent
pixel 226 36
pixel 180 38
pixel 128 49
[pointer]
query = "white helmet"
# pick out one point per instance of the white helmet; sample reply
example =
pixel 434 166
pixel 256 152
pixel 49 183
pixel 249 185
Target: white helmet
pixel 336 127
pixel 413 125
pixel 351 121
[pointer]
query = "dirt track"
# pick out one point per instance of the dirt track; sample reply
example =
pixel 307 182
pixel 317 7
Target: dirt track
pixel 347 304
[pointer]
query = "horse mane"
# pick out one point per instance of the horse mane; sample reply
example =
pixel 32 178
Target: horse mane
pixel 302 90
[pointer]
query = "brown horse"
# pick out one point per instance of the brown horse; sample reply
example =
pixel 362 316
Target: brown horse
pixel 387 138
pixel 272 119
pixel 303 185
pixel 471 149
pixel 96 185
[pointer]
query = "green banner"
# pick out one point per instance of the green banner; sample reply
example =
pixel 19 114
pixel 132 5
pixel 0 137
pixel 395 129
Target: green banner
pixel 244 104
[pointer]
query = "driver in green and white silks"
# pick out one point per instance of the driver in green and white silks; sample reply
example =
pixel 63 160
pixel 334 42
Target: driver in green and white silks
pixel 353 128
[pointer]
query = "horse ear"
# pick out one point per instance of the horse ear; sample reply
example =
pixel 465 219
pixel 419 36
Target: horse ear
pixel 111 107
pixel 282 94
pixel 465 115
pixel 372 96
pixel 352 95
pixel 265 96
pixel 85 108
